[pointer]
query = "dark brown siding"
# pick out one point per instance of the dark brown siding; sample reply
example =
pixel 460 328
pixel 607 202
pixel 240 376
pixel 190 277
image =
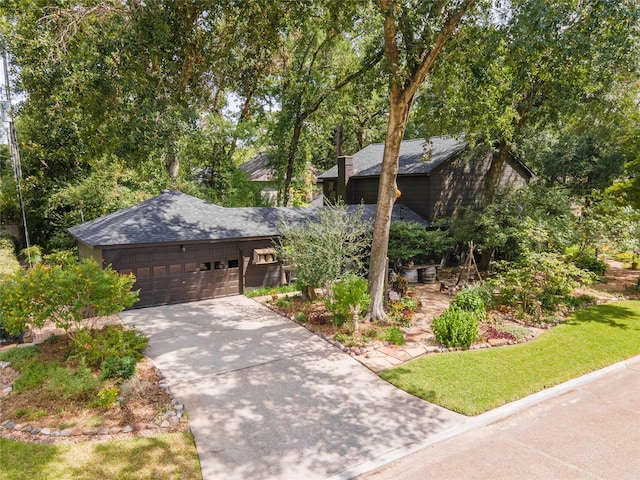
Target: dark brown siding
pixel 255 275
pixel 439 194
pixel 365 190
pixel 168 274
pixel 461 182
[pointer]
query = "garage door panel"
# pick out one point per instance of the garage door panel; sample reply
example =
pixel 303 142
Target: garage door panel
pixel 170 275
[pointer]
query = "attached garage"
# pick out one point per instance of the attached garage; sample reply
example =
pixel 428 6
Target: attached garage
pixel 182 249
pixel 180 273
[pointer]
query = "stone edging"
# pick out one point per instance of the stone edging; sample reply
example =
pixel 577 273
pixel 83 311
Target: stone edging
pixel 170 419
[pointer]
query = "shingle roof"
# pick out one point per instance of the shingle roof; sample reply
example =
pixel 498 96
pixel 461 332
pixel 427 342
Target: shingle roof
pixel 258 168
pixel 416 157
pixel 176 217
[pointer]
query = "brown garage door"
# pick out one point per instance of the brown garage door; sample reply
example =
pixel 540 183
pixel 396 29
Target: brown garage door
pixel 176 274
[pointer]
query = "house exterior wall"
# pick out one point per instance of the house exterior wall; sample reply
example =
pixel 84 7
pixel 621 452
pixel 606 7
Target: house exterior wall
pixel 259 275
pixel 438 194
pixel 175 273
pixel 461 183
pixel 85 251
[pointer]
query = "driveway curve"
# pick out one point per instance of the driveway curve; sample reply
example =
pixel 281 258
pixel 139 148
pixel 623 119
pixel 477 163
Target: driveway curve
pixel 267 399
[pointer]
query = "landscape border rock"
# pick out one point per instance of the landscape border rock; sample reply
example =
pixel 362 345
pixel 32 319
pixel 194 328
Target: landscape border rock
pixel 31 431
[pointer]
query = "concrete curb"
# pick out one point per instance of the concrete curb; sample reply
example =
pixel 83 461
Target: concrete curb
pixel 487 418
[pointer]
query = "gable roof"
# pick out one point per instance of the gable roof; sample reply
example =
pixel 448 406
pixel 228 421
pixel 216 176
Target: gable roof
pixel 258 168
pixel 417 156
pixel 173 216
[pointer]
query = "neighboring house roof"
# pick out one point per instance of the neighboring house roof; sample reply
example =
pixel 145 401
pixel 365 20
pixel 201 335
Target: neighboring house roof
pixel 258 168
pixel 173 216
pixel 416 157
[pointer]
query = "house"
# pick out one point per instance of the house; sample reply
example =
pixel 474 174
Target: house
pixel 434 177
pixel 261 173
pixel 181 248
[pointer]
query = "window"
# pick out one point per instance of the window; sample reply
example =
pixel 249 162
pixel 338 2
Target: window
pixel 232 263
pixel 218 266
pixel 159 270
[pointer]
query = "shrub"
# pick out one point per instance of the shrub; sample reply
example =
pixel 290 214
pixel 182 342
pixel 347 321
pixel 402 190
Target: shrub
pixel 74 384
pixel 455 327
pixel 34 375
pixel 341 337
pixel 61 258
pixel 321 251
pixel 63 294
pixel 95 346
pixel 8 262
pixel 399 312
pixel 31 255
pixel 540 278
pixel 591 263
pixel 105 398
pixel 470 299
pixel 411 241
pixel 350 298
pixel 393 335
pixel 115 367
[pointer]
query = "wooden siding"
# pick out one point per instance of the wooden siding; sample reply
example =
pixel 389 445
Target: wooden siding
pixel 265 275
pixel 365 190
pixel 461 183
pixel 85 251
pixel 168 274
pixel 438 195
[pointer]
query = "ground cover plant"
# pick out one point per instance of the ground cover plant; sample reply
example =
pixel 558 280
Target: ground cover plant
pixel 317 316
pixel 166 456
pixel 60 384
pixel 473 382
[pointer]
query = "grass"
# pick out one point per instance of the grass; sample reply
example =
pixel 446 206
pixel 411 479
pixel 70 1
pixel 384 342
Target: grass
pixel 263 291
pixel 169 456
pixel 473 382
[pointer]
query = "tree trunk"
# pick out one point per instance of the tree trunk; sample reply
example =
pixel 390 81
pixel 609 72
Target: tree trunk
pixel 291 157
pixel 387 194
pixel 173 163
pixel 492 179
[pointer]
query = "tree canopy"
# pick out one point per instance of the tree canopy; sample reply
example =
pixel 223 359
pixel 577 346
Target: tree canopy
pixel 121 99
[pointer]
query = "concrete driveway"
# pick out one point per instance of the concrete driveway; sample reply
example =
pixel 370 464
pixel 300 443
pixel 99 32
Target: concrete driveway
pixel 267 399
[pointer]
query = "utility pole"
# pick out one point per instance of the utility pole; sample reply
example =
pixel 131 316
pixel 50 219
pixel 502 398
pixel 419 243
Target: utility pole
pixel 7 117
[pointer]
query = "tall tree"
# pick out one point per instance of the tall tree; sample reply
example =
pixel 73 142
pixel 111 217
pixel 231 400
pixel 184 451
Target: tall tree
pixel 323 52
pixel 535 64
pixel 415 33
pixel 126 81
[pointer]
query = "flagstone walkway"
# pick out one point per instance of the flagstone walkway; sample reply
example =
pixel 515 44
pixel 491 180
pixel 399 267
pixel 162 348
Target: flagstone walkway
pixel 419 340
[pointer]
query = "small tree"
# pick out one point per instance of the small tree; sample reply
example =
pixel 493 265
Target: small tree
pixel 320 252
pixel 64 295
pixel 412 241
pixel 349 300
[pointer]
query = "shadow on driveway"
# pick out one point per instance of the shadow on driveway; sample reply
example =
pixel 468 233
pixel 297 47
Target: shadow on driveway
pixel 268 399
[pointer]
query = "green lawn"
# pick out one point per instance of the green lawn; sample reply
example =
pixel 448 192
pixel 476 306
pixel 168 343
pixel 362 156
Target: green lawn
pixel 473 382
pixel 169 456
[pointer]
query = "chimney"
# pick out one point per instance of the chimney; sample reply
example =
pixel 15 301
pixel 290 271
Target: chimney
pixel 345 170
